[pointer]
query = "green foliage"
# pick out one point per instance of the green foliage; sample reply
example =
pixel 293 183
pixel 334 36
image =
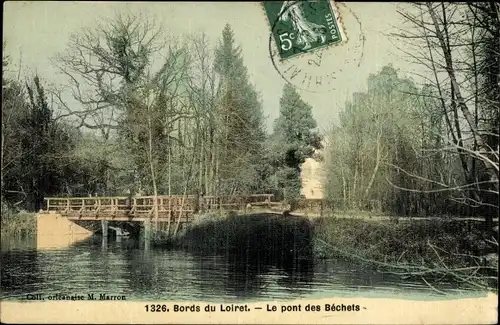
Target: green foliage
pixel 16 223
pixel 294 139
pixel 288 179
pixel 487 56
pixel 241 133
pixel 457 132
pixel 41 155
pixel 259 235
pixel 428 245
pixel 382 140
pixel 194 125
pixel 228 60
pixel 37 160
pixel 295 128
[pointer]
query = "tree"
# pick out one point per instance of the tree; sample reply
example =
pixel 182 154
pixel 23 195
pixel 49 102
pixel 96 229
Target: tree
pixel 102 65
pixel 384 137
pixel 106 67
pixel 241 135
pixel 13 106
pixel 294 139
pixel 458 43
pixel 38 150
pixel 203 87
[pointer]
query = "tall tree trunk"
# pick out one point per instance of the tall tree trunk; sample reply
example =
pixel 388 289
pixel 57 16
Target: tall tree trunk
pixel 375 170
pixel 451 130
pixel 353 193
pixel 490 166
pixel 208 160
pixel 152 168
pixel 186 186
pixel 344 203
pixel 169 185
pixel 201 158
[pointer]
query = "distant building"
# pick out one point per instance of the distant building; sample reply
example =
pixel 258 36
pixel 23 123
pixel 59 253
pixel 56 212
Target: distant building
pixel 312 178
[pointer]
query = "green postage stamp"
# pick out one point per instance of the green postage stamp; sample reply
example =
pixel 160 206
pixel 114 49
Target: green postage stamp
pixel 303 26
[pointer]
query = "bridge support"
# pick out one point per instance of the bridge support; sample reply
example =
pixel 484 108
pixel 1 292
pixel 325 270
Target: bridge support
pixel 105 226
pixel 119 232
pixel 147 234
pixel 55 231
pixel 105 243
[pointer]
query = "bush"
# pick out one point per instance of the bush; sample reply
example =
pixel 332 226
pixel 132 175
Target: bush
pixel 264 235
pixel 412 241
pixel 422 246
pixel 17 223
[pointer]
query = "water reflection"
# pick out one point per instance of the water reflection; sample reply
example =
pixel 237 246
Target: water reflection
pixel 21 272
pixel 106 266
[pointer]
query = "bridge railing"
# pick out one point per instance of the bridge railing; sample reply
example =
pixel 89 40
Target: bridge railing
pixel 82 205
pixel 144 205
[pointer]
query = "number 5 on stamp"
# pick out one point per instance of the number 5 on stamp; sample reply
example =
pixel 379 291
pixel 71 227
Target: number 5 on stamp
pixel 303 26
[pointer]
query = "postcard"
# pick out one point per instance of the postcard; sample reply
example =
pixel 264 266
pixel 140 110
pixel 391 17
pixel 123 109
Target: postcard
pixel 272 162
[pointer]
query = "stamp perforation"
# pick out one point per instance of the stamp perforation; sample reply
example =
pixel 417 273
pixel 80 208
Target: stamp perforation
pixel 338 20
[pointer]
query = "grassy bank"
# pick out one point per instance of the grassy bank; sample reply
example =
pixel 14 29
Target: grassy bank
pixel 15 224
pixel 263 237
pixel 412 241
pixel 456 249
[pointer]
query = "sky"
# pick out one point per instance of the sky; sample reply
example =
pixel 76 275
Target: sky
pixel 36 31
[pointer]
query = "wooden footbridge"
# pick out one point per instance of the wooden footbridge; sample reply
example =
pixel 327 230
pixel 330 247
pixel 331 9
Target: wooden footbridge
pixel 173 208
pixel 167 210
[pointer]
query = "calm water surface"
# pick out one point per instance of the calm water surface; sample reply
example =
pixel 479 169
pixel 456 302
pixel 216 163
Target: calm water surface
pixel 127 268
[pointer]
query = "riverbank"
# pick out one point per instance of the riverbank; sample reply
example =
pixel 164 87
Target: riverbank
pixel 15 224
pixel 455 249
pixel 266 238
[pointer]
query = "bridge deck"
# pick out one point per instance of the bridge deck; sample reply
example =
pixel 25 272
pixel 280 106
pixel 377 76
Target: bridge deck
pixel 176 208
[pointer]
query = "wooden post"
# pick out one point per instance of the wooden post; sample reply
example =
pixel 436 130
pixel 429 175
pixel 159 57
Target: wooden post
pixel 82 208
pixel 134 204
pixel 147 234
pixel 105 243
pixel 104 225
pixel 98 204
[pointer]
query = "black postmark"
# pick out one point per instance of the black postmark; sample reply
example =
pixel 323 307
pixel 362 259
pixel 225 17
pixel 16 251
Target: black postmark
pixel 318 61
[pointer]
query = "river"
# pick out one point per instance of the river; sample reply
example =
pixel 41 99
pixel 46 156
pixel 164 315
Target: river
pixel 127 268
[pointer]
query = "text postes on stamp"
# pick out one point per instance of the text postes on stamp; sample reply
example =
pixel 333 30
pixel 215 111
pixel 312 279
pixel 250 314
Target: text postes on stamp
pixel 308 44
pixel 303 26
